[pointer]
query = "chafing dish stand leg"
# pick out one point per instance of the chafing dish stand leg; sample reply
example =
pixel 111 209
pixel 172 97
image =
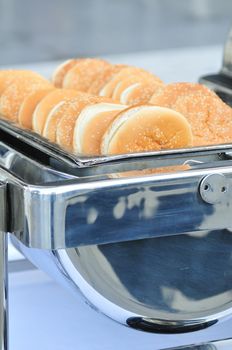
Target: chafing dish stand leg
pixel 3 292
pixel 4 344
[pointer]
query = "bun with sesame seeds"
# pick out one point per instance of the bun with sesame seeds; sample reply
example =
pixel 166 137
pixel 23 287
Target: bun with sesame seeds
pixel 146 128
pixel 62 70
pixel 131 75
pixel 67 115
pixel 139 93
pixel 17 87
pixel 129 83
pixel 84 72
pixel 104 77
pixel 210 118
pixel 28 106
pixel 91 125
pixel 45 106
pixel 9 76
pixel 72 107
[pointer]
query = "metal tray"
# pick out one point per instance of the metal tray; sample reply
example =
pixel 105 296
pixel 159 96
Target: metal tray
pixel 40 149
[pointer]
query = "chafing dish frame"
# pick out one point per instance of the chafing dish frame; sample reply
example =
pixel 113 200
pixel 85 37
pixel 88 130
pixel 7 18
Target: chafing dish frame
pixel 39 222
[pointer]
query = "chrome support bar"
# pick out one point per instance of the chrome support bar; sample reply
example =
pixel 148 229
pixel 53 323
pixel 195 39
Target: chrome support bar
pixel 79 213
pixel 4 344
pixel 3 293
pixel 227 59
pixel 221 82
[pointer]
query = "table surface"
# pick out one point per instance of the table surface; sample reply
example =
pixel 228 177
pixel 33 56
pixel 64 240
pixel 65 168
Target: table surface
pixel 44 315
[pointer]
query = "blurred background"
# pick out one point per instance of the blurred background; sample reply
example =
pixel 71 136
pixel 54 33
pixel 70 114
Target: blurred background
pixel 33 31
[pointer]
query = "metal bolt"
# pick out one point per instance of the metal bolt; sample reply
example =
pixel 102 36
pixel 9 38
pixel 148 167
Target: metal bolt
pixel 214 188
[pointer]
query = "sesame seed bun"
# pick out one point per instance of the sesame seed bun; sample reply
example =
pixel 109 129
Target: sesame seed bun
pixel 62 70
pixel 210 118
pixel 60 110
pixel 82 75
pixel 138 93
pixel 171 92
pixel 65 126
pixel 104 77
pixel 132 73
pixel 28 106
pixel 131 80
pixel 14 95
pixel 46 105
pixel 8 76
pixel 91 125
pixel 146 128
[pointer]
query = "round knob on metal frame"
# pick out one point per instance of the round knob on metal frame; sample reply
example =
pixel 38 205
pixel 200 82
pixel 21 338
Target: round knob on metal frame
pixel 214 188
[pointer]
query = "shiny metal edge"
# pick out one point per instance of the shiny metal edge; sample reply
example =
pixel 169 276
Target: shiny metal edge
pixel 80 161
pixel 72 213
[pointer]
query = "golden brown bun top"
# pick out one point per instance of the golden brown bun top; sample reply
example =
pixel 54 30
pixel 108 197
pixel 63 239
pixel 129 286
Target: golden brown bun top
pixel 62 70
pixel 171 92
pixel 209 116
pixel 81 76
pixel 146 128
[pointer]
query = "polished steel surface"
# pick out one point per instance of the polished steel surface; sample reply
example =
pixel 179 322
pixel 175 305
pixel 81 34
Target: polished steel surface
pixel 174 284
pixel 227 59
pixel 221 82
pixel 74 213
pixel 145 250
pixel 171 283
pixel 133 277
pixel 3 272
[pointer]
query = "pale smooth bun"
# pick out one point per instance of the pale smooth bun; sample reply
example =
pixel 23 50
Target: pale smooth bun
pixel 91 125
pixel 62 70
pixel 82 75
pixel 65 125
pixel 133 73
pixel 28 106
pixel 49 102
pixel 146 128
pixel 210 118
pixel 21 86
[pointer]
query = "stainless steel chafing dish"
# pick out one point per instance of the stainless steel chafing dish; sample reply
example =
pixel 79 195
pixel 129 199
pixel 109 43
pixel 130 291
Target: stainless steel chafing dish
pixel 150 251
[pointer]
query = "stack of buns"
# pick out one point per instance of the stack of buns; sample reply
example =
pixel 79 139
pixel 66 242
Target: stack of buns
pixel 124 84
pixel 93 107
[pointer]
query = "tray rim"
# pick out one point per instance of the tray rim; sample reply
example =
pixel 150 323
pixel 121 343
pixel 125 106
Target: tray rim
pixel 79 161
